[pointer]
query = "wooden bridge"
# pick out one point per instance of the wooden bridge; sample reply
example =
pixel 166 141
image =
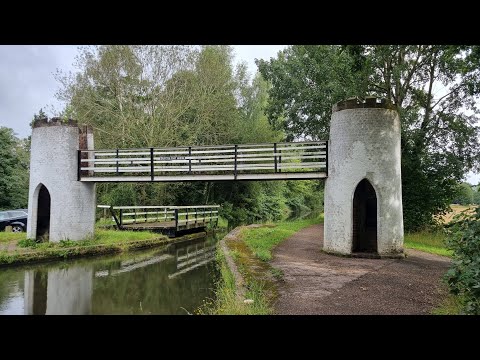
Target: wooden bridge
pixel 166 219
pixel 275 161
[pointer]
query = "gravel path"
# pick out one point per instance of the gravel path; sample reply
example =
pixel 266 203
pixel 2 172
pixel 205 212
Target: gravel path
pixel 318 283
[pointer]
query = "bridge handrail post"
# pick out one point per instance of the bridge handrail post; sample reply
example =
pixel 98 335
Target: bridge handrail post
pixel 79 163
pixel 280 159
pixel 275 155
pixel 121 217
pixel 146 214
pixel 176 219
pixel 235 163
pixel 189 160
pixel 186 218
pixel 117 162
pixel 151 165
pixel 326 157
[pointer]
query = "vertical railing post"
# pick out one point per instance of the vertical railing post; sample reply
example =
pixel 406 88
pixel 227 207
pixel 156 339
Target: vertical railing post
pixel 275 155
pixel 165 214
pixel 135 216
pixel 176 219
pixel 79 164
pixel 196 216
pixel 117 162
pixel 151 165
pixel 210 220
pixel 146 214
pixel 186 218
pixel 121 217
pixel 280 160
pixel 189 160
pixel 326 156
pixel 235 163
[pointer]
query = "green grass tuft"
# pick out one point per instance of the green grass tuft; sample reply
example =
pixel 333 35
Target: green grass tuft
pixel 430 242
pixel 11 236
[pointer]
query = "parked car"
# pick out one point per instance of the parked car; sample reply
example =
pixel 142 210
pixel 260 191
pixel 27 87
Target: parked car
pixel 17 219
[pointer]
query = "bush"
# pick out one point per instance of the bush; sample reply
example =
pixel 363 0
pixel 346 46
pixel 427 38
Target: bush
pixel 463 277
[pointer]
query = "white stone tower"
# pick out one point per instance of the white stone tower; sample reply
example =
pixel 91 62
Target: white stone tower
pixel 363 191
pixel 59 206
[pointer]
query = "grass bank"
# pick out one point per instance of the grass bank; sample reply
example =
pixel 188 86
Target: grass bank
pixel 6 237
pixel 264 239
pixel 105 241
pixel 451 305
pixel 430 242
pixel 250 248
pixel 227 302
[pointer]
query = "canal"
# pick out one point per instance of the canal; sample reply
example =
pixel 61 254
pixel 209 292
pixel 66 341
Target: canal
pixel 173 279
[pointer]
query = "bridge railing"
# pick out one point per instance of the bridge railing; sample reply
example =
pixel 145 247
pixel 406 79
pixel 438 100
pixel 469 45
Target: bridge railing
pixel 178 217
pixel 208 160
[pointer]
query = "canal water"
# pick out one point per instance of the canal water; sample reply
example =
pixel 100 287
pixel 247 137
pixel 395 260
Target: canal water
pixel 173 279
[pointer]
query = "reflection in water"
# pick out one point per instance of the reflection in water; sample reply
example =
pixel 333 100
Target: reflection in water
pixel 171 280
pixel 58 291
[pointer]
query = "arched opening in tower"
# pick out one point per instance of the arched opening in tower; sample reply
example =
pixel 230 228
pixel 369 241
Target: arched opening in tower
pixel 43 214
pixel 364 218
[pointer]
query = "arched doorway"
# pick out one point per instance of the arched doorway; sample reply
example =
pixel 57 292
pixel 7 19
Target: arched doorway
pixel 364 218
pixel 43 214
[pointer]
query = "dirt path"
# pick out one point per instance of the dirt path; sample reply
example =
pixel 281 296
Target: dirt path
pixel 317 283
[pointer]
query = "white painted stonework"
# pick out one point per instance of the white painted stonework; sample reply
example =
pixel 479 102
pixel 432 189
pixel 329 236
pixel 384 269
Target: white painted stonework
pixel 364 143
pixel 53 163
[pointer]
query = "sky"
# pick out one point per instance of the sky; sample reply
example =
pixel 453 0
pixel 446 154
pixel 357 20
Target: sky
pixel 27 81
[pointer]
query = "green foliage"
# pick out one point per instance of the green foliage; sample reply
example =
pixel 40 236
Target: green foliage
pixel 439 140
pixel 465 194
pixel 476 197
pixel 463 277
pixel 428 241
pixel 306 81
pixel 14 166
pixel 27 243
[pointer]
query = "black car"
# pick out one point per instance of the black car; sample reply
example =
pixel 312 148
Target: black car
pixel 17 219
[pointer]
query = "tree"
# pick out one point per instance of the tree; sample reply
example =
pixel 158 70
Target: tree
pixel 476 196
pixel 464 194
pixel 13 171
pixel 433 87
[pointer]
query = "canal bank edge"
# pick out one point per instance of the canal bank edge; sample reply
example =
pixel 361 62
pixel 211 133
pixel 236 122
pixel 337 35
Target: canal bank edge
pixel 62 253
pixel 239 280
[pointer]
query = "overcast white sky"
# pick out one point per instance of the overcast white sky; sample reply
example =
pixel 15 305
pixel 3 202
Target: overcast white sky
pixel 27 82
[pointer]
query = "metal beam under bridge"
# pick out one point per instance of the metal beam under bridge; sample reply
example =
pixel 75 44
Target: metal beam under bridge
pixel 275 161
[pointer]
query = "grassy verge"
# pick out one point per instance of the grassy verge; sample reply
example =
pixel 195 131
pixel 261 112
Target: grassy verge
pixel 11 236
pixel 227 302
pixel 262 240
pixel 105 241
pixel 249 250
pixel 451 305
pixel 430 242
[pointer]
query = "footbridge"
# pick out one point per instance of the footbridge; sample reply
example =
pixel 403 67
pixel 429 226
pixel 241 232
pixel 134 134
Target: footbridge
pixel 275 161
